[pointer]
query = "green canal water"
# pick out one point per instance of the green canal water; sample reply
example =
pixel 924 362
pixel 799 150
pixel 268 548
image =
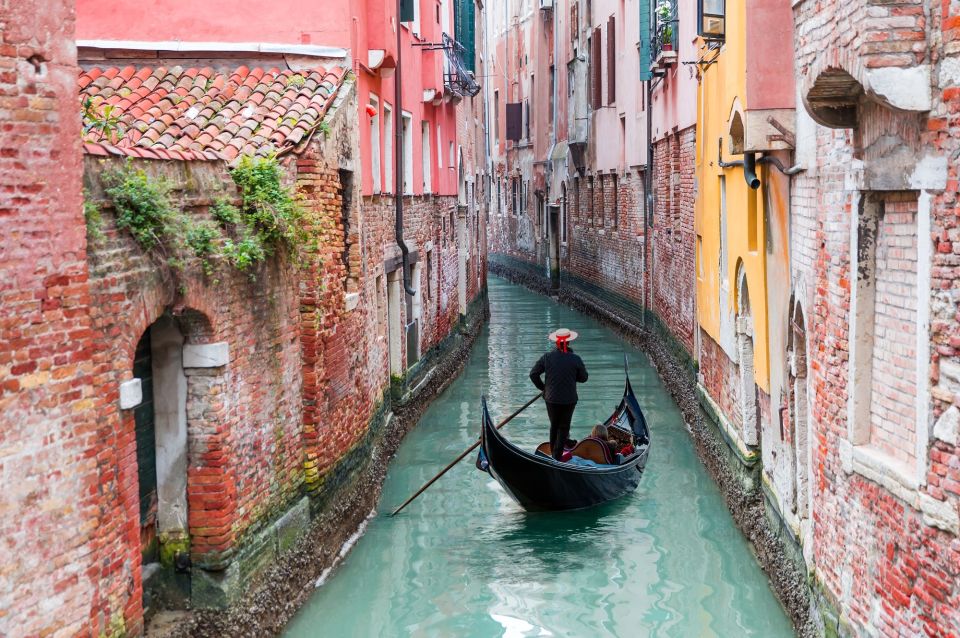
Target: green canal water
pixel 465 560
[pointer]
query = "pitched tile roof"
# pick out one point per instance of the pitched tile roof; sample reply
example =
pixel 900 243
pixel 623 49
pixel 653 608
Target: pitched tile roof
pixel 177 113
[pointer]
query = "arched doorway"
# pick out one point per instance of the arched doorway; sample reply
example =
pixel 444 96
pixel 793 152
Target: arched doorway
pixel 799 411
pixel 160 426
pixel 747 394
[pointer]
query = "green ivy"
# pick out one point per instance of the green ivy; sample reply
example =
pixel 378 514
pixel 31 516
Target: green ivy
pixel 93 219
pixel 142 205
pixel 268 208
pixel 269 218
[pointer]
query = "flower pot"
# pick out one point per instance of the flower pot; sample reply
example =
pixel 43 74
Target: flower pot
pixel 666 47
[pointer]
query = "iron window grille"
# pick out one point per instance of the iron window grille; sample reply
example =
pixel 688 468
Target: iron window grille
pixel 666 26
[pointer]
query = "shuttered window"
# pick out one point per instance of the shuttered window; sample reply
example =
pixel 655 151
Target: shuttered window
pixel 514 121
pixel 611 60
pixel 596 70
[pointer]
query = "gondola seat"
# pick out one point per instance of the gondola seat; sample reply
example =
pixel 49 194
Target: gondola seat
pixel 589 448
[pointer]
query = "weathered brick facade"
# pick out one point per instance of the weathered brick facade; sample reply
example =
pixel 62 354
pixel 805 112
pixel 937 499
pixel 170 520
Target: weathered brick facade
pixel 674 236
pixel 51 505
pixel 880 318
pixel 277 374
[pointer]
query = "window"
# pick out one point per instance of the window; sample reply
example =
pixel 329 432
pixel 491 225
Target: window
pixel 596 71
pixel 407 139
pixel 590 201
pixel 611 60
pixel 553 80
pixel 887 399
pixel 388 147
pixel 516 194
pixel 375 167
pixel 711 23
pixel 526 127
pixel 615 216
pixel 496 118
pixel 563 213
pixel 576 200
pixel 429 274
pixel 439 148
pixel 452 157
pixel 425 156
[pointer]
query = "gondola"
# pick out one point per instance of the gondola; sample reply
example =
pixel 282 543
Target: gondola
pixel 540 483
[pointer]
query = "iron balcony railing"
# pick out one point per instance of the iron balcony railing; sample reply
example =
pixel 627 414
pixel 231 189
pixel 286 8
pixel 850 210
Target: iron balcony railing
pixel 664 37
pixel 458 79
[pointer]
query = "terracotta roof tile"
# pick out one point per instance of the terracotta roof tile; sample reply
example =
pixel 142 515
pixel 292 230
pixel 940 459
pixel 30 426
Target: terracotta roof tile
pixel 199 113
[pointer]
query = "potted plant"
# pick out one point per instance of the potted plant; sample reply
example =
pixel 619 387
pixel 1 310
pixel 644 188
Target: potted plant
pixel 666 40
pixel 664 13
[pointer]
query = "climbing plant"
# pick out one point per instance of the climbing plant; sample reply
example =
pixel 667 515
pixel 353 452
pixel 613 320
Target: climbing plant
pixel 268 218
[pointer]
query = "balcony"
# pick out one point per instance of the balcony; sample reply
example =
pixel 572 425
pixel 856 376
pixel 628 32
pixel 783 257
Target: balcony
pixel 664 40
pixel 457 78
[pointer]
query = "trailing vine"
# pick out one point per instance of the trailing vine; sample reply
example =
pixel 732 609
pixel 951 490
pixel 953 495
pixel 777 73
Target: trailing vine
pixel 93 219
pixel 268 219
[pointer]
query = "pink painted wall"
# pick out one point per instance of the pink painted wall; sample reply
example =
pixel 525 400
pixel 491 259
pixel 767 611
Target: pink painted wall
pixel 675 98
pixel 322 23
pixel 770 83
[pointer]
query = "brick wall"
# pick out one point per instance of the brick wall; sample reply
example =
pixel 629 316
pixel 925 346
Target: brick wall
pixel 52 499
pixel 887 555
pixel 720 378
pixel 674 236
pixel 894 391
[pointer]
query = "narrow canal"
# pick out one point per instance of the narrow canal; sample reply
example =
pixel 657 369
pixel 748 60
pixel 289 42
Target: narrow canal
pixel 465 560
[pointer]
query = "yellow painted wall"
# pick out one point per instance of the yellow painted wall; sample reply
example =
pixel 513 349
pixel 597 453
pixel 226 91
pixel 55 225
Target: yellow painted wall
pixel 721 90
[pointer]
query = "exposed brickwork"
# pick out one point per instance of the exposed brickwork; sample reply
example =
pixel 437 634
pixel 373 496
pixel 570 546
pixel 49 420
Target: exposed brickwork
pixel 880 556
pixel 894 391
pixel 674 236
pixel 53 501
pixel 720 378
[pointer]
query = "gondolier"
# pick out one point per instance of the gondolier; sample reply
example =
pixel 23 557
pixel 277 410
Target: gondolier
pixel 562 369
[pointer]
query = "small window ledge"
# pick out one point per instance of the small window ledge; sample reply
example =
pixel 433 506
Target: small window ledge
pixel 897 478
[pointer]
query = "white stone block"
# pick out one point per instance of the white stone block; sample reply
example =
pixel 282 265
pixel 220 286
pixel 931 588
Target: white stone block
pixel 948 425
pixel 906 89
pixel 206 355
pixel 949 376
pixel 131 394
pixel 351 300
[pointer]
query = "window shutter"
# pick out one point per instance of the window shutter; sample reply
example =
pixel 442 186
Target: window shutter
pixel 611 60
pixel 597 69
pixel 645 74
pixel 406 10
pixel 514 121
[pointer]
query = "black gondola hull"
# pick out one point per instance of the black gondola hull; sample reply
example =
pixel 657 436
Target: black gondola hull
pixel 540 483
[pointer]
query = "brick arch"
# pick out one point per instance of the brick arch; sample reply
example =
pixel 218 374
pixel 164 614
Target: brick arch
pixel 833 87
pixel 742 290
pixel 194 322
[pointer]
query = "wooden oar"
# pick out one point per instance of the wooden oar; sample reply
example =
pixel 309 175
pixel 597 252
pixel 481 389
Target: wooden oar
pixel 460 458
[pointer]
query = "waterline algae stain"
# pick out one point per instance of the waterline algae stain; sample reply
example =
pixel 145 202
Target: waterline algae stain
pixel 465 560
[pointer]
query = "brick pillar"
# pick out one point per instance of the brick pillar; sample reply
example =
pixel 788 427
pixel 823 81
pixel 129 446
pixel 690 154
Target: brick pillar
pixel 54 564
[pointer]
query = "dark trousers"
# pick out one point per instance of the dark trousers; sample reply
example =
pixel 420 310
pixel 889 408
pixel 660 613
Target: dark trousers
pixel 560 416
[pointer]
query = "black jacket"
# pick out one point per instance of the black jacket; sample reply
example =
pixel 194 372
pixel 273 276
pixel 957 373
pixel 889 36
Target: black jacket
pixel 563 371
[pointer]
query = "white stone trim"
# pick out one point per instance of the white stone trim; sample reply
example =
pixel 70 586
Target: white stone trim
pixel 131 394
pixel 189 46
pixel 206 355
pixel 924 413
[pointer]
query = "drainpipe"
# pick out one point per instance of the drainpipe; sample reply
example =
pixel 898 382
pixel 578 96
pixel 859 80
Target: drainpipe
pixel 648 206
pixel 749 164
pixel 398 164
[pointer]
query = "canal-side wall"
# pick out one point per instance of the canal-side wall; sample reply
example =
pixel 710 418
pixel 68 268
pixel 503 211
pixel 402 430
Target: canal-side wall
pixel 739 478
pixel 336 512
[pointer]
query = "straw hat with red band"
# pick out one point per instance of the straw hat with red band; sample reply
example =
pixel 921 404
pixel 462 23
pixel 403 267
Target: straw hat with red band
pixel 562 337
